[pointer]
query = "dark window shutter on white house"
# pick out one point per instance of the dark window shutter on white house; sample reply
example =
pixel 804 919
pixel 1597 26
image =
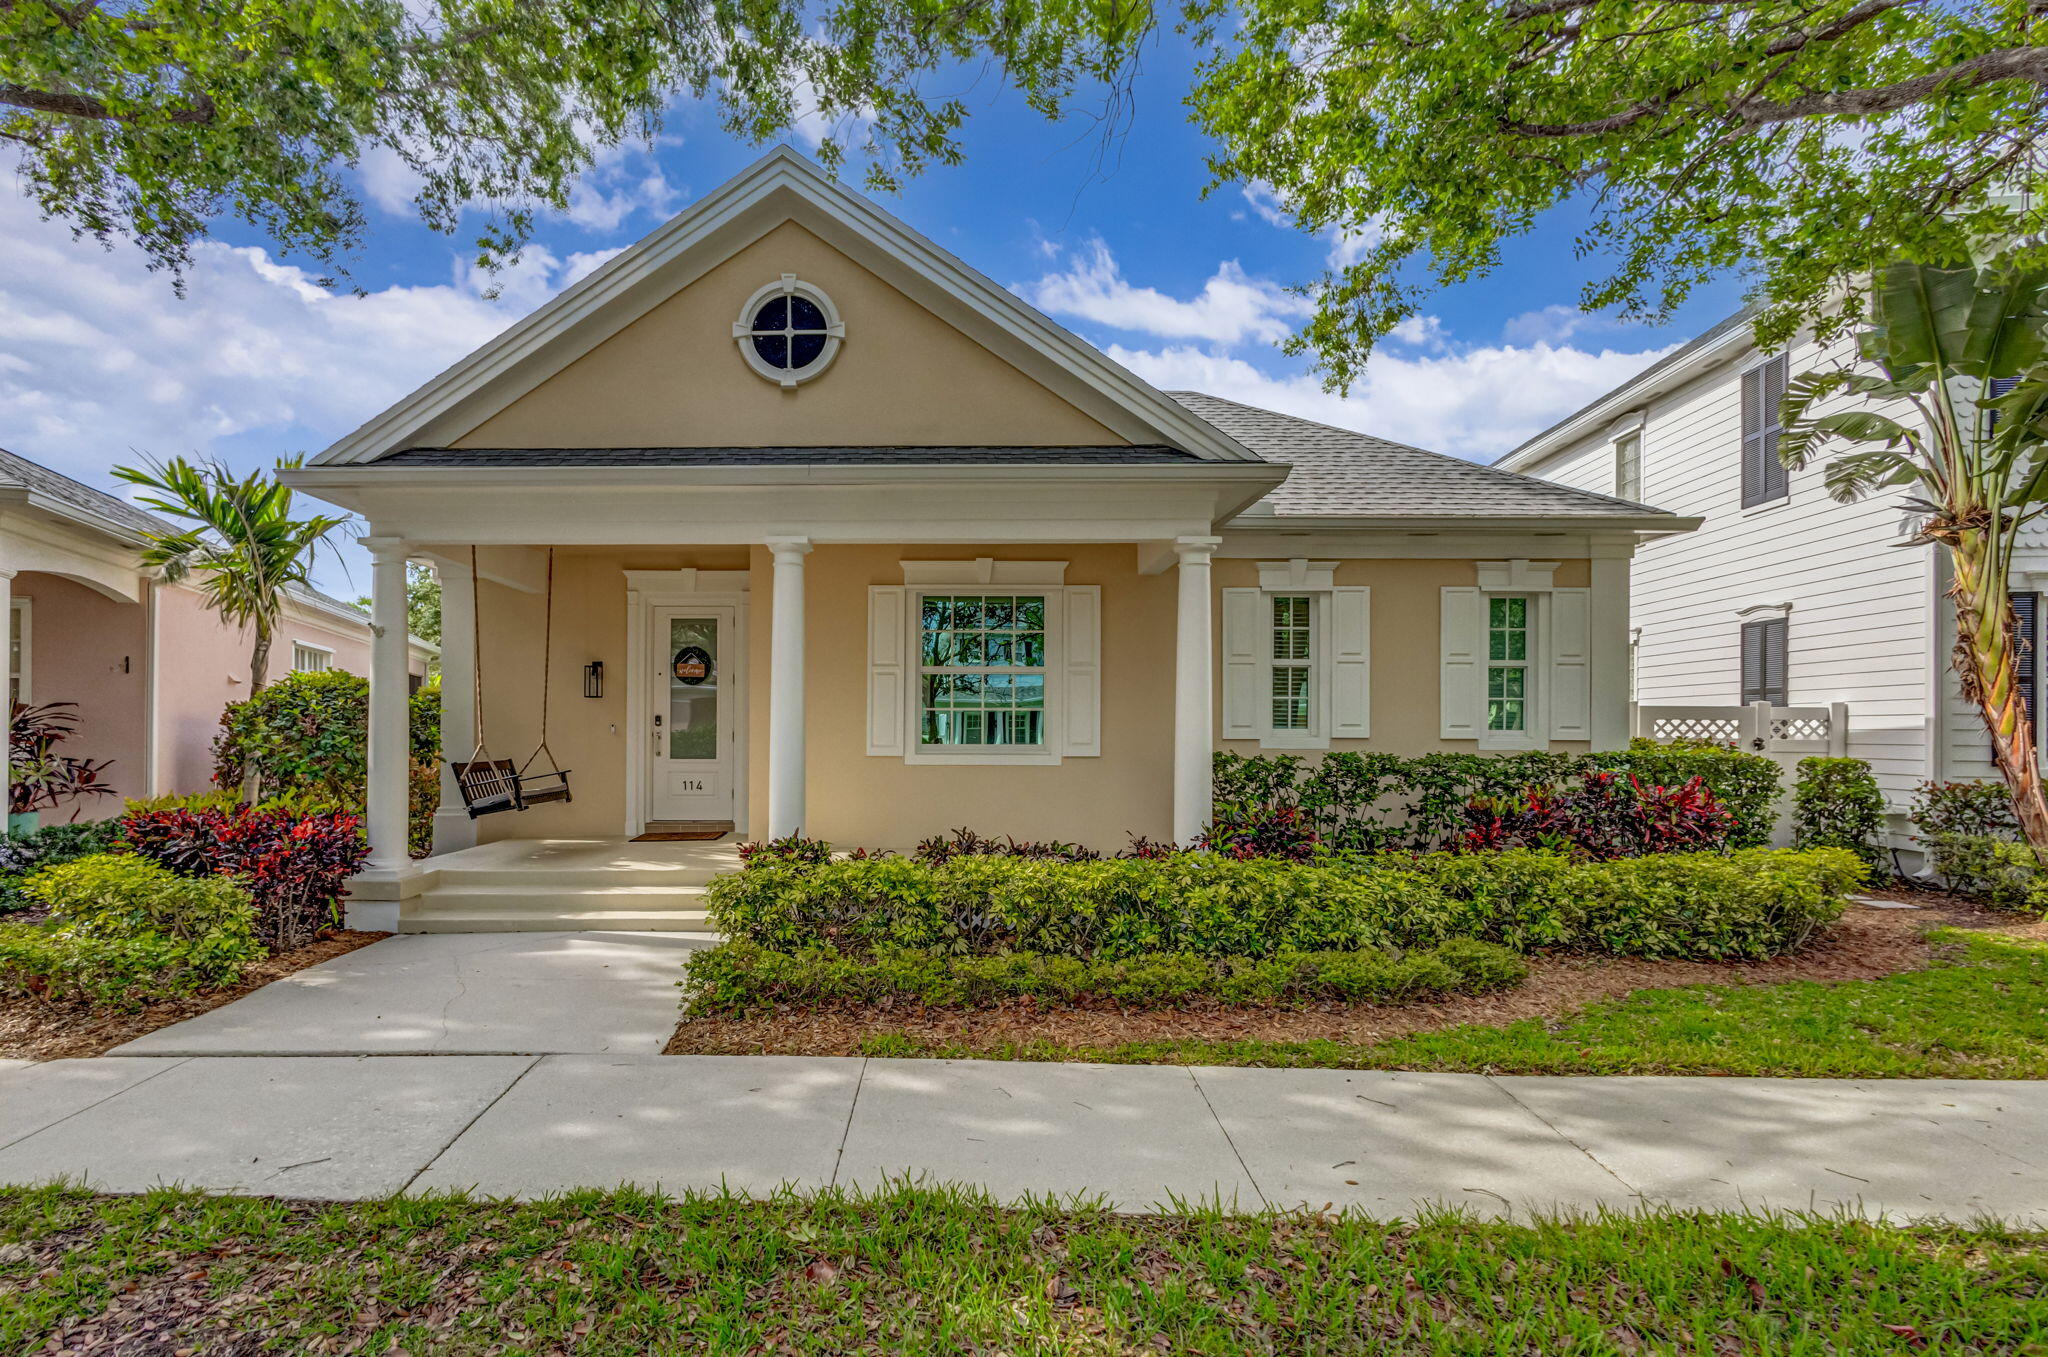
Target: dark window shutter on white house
pixel 1763 662
pixel 1994 389
pixel 1763 390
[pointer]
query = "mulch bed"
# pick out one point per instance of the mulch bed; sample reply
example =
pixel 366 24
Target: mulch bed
pixel 32 1029
pixel 1864 944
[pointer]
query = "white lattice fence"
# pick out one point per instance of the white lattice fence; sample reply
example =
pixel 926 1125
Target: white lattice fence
pixel 1791 733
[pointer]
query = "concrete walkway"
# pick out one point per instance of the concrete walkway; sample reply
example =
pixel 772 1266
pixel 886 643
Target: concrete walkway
pixel 455 994
pixel 340 1127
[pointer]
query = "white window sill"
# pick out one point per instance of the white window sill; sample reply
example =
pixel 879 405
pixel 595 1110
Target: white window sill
pixel 982 758
pixel 1767 506
pixel 1519 744
pixel 1291 741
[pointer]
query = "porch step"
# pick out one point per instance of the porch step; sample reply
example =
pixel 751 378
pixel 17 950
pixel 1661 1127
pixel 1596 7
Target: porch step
pixel 559 921
pixel 677 876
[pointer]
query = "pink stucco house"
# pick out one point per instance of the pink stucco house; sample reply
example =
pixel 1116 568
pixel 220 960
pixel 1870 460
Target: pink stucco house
pixel 148 665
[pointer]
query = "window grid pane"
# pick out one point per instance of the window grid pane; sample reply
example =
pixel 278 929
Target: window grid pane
pixel 1507 674
pixel 982 670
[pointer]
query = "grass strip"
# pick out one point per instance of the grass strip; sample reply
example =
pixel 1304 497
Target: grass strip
pixel 935 1269
pixel 1980 1012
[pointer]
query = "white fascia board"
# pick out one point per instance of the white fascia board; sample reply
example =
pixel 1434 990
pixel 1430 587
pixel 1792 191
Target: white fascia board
pixel 1642 525
pixel 718 226
pixel 1624 400
pixel 640 506
pixel 72 514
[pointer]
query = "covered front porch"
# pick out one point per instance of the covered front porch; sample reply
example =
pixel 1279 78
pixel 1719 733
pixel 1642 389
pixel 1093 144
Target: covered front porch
pixel 686 658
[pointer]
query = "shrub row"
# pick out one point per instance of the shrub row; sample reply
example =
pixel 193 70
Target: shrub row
pixel 23 854
pixel 1372 802
pixel 295 866
pixel 739 978
pixel 1751 903
pixel 122 930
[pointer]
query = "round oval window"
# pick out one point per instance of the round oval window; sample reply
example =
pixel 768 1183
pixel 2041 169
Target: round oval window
pixel 789 331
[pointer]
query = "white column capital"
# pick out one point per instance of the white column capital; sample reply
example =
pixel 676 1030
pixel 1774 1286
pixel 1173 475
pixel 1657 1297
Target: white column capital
pixel 1196 550
pixel 385 548
pixel 789 548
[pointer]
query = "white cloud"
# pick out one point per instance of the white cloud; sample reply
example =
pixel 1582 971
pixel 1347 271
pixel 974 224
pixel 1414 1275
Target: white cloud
pixel 1421 332
pixel 1232 306
pixel 1476 402
pixel 101 363
pixel 1343 247
pixel 814 127
pixel 611 191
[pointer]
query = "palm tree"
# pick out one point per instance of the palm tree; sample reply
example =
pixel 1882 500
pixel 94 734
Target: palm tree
pixel 1943 340
pixel 242 548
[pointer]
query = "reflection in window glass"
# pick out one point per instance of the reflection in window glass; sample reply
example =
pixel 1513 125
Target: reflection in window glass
pixel 981 672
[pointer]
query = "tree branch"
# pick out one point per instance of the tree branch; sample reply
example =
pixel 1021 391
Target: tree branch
pixel 86 108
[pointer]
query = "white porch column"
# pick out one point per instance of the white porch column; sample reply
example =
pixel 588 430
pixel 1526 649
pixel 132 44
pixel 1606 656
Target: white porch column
pixel 786 688
pixel 1194 720
pixel 389 738
pixel 1608 634
pixel 453 829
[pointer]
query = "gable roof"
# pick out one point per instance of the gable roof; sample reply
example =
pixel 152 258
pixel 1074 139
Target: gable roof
pixel 781 186
pixel 73 499
pixel 1336 473
pixel 1120 454
pixel 1710 346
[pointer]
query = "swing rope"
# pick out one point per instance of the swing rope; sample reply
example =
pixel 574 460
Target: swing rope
pixel 547 655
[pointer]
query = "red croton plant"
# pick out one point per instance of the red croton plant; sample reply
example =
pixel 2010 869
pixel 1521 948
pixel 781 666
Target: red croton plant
pixel 294 865
pixel 1605 816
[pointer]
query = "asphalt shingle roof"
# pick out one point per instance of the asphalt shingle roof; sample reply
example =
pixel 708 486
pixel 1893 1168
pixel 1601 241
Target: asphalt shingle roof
pixel 1339 473
pixel 1113 455
pixel 19 472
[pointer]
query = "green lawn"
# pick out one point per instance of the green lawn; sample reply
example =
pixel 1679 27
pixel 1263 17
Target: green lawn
pixel 940 1271
pixel 1980 1013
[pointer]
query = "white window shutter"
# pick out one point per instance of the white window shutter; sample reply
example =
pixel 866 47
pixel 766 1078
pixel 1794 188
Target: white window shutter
pixel 1571 669
pixel 1241 664
pixel 1461 672
pixel 1350 663
pixel 888 676
pixel 1081 672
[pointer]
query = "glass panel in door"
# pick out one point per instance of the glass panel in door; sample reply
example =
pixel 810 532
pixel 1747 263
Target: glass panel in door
pixel 693 688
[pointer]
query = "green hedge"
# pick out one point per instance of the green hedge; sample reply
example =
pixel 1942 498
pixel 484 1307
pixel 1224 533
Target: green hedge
pixel 1754 902
pixel 1371 802
pixel 2002 873
pixel 124 931
pixel 739 978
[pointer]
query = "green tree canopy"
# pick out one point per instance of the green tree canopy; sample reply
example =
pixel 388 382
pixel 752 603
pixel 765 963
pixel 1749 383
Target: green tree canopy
pixel 1812 141
pixel 150 119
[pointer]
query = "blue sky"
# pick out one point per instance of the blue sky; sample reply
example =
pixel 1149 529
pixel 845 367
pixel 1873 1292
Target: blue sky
pixel 100 363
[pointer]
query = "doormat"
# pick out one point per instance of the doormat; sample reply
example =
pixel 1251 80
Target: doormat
pixel 681 836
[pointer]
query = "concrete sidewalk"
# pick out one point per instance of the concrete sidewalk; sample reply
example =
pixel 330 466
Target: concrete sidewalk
pixel 1380 1142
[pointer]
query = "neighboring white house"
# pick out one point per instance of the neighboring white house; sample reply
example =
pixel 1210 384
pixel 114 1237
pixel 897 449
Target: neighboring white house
pixel 1784 595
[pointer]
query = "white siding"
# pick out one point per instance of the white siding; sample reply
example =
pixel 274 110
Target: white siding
pixel 1861 600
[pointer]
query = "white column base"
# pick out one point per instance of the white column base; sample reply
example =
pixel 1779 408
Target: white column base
pixel 377 896
pixel 453 830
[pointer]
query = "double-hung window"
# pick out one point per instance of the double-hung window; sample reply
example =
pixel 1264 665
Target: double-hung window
pixel 982 672
pixel 1508 690
pixel 1294 663
pixel 1628 467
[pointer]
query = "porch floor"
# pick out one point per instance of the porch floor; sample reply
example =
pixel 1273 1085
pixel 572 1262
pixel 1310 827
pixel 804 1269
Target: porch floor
pixel 563 885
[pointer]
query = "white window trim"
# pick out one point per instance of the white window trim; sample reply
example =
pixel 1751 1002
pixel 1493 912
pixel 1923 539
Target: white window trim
pixel 788 285
pixel 22 618
pixel 298 645
pixel 1536 702
pixel 1616 444
pixel 915 751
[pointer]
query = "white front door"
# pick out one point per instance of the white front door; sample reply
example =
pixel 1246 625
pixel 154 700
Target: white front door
pixel 693 727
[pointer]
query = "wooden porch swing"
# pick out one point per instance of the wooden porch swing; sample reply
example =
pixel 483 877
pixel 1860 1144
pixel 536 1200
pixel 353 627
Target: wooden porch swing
pixel 490 785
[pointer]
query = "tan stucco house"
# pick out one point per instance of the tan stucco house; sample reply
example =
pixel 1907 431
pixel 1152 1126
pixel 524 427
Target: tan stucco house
pixel 147 666
pixel 866 548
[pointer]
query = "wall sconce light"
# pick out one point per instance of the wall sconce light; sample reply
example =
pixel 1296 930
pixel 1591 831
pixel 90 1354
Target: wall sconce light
pixel 593 679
